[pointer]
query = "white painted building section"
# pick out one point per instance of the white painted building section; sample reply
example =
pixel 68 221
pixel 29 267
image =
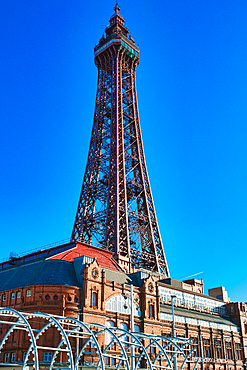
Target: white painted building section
pixel 192 321
pixel 190 300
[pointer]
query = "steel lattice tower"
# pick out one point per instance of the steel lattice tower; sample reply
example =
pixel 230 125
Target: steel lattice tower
pixel 116 206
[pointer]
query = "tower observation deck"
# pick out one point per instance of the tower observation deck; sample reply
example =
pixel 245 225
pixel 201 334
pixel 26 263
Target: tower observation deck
pixel 116 206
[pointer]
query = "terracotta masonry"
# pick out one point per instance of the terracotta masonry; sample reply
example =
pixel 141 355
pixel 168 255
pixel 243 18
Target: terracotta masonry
pixel 219 337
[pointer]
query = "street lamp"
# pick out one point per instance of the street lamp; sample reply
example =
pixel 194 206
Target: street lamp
pixel 131 321
pixel 173 318
pixel 173 330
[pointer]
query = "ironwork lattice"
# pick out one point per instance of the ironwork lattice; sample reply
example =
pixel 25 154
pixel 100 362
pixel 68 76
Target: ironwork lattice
pixel 91 344
pixel 116 206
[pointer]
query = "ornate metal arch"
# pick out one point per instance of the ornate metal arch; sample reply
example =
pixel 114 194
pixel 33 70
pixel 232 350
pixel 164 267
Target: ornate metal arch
pixel 79 343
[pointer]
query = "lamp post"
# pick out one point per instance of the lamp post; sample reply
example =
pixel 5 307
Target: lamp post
pixel 173 318
pixel 173 331
pixel 131 324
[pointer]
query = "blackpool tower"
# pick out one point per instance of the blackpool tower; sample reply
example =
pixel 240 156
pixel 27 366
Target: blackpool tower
pixel 116 207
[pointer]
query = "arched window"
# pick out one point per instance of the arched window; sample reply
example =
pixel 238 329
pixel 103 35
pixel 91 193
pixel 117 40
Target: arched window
pixel 119 304
pixel 94 299
pixel 108 336
pixel 123 326
pixel 151 310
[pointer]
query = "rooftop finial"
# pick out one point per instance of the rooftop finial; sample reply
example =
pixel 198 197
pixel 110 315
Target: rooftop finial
pixel 117 7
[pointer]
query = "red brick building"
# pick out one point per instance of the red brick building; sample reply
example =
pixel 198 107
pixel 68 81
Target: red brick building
pixel 82 281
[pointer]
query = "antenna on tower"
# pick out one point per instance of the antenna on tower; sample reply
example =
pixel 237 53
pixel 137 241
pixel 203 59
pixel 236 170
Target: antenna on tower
pixel 117 7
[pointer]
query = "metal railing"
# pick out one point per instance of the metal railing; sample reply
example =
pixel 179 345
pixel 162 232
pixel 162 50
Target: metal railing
pixel 31 251
pixel 14 255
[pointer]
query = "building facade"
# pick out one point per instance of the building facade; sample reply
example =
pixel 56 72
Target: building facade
pixel 84 282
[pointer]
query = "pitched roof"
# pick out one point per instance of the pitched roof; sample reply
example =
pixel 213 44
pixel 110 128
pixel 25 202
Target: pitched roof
pixel 45 272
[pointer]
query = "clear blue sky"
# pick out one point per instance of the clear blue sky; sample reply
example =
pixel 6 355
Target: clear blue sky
pixel 192 92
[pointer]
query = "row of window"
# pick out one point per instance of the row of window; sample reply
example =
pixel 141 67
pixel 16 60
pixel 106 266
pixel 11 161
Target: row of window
pixel 218 349
pixel 3 297
pixel 197 322
pixel 207 349
pixel 17 295
pixel 11 357
pixel 122 325
pixel 191 300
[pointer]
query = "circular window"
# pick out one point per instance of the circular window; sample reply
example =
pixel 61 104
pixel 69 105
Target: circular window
pixel 47 297
pixel 69 298
pixel 75 299
pixel 55 297
pixel 95 273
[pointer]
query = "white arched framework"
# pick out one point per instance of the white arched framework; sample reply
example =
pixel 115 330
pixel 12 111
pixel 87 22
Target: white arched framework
pixel 121 304
pixel 71 343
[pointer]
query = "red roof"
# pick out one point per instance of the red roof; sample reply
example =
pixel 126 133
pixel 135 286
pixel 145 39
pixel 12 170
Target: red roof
pixel 103 257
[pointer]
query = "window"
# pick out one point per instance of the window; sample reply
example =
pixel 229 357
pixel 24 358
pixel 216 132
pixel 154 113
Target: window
pixel 24 356
pixel 228 351
pixel 232 309
pixel 217 346
pixel 13 296
pixel 93 345
pixel 194 346
pixel 108 336
pixel 152 349
pixel 18 294
pixel 206 348
pixel 151 310
pixel 29 293
pixel 112 361
pixel 4 297
pixel 94 299
pixel 123 326
pixel 238 351
pixel 6 357
pixel 47 356
pixel 245 328
pixel 136 328
pixel 13 357
pixel 122 304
